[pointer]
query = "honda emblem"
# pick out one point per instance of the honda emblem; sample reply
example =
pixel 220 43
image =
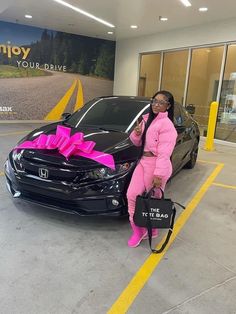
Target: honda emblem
pixel 43 173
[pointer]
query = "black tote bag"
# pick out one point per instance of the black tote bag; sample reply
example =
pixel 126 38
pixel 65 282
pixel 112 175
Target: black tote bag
pixel 154 213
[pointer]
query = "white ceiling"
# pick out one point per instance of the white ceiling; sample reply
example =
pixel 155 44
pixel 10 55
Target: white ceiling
pixel 122 13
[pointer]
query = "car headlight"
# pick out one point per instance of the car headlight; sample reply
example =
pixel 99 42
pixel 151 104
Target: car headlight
pixel 7 168
pixel 107 173
pixel 16 155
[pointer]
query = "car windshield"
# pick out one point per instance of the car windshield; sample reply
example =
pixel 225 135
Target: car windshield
pixel 111 113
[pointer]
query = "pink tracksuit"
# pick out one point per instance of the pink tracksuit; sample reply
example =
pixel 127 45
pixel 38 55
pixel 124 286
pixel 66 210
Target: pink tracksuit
pixel 160 140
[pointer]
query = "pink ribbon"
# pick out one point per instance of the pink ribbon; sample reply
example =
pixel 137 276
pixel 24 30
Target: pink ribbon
pixel 67 146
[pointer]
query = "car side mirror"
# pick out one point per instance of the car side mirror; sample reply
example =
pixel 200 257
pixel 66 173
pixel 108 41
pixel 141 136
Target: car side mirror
pixel 190 109
pixel 180 128
pixel 65 116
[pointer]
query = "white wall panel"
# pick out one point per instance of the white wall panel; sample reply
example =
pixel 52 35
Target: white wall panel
pixel 127 51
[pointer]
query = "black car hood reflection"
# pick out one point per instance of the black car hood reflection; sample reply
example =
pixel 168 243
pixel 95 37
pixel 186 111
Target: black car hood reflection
pixel 111 142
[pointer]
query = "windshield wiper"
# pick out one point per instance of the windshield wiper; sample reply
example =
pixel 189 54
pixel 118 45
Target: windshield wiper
pixel 66 123
pixel 93 127
pixel 109 130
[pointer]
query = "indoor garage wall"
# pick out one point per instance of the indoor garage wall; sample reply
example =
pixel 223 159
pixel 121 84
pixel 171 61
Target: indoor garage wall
pixel 198 85
pixel 128 50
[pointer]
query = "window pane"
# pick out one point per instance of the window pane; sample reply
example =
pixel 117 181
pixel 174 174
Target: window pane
pixel 177 115
pixel 226 125
pixel 149 74
pixel 115 113
pixel 203 82
pixel 174 73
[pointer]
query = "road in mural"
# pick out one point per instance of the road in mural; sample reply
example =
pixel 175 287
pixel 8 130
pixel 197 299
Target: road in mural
pixel 45 73
pixel 35 97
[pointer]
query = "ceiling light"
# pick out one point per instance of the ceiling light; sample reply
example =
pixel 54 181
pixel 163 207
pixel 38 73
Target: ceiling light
pixel 203 9
pixel 186 3
pixel 72 7
pixel 133 26
pixel 163 19
pixel 28 16
pixel 110 33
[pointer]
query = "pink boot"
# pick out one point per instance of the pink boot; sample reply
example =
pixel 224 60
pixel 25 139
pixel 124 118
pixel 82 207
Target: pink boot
pixel 155 233
pixel 137 236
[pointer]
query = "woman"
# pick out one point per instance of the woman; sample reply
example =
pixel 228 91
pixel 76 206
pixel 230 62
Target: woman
pixel 156 135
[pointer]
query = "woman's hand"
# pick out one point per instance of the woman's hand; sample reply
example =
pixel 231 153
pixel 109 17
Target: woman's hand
pixel 138 129
pixel 157 182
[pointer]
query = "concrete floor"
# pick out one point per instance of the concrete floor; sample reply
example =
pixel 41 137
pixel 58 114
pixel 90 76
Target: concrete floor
pixel 52 263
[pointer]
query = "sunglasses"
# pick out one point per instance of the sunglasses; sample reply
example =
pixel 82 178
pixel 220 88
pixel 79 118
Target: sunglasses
pixel 156 102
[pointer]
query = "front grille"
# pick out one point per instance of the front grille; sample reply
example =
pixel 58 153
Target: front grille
pixel 55 172
pixel 81 207
pixel 53 162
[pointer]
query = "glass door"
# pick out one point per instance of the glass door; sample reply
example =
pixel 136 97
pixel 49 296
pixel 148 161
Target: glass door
pixel 174 73
pixel 203 82
pixel 149 74
pixel 226 125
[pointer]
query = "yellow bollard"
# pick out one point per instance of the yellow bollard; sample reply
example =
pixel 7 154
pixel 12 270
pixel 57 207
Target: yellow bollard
pixel 209 145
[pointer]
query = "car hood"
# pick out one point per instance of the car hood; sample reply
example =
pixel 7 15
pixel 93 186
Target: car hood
pixel 111 142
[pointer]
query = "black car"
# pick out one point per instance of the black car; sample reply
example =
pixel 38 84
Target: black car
pixel 80 185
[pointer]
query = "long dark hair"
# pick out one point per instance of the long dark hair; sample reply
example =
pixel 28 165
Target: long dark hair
pixel 152 116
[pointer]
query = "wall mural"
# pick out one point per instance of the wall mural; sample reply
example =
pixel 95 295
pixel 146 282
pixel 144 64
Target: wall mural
pixel 44 73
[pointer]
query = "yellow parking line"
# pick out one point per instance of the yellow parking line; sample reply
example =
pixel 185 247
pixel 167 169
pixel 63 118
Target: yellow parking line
pixel 208 162
pixel 1 173
pixel 224 186
pixel 15 133
pixel 136 284
pixel 57 111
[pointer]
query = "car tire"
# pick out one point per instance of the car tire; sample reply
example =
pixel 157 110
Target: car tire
pixel 193 157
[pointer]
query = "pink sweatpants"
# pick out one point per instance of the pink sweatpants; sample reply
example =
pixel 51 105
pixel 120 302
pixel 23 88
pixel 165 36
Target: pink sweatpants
pixel 142 181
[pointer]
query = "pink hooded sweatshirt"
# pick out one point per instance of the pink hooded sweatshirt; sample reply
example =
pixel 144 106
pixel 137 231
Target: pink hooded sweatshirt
pixel 160 140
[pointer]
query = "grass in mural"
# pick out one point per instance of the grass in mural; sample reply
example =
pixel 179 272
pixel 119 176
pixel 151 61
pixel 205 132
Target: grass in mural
pixel 8 71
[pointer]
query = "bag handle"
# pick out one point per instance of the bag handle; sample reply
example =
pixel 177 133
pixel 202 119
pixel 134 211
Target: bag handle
pixel 180 205
pixel 149 227
pixel 151 191
pixel 149 224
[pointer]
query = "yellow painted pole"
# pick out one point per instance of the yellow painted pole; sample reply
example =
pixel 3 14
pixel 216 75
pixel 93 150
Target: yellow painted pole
pixel 209 145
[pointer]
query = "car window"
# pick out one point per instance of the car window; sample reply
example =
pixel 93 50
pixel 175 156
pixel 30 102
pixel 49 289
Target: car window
pixel 146 111
pixel 112 112
pixel 178 118
pixel 180 115
pixel 184 113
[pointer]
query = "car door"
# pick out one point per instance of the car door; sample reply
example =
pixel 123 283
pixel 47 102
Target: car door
pixel 189 137
pixel 176 156
pixel 183 127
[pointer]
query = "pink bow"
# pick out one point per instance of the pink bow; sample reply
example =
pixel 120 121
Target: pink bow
pixel 69 145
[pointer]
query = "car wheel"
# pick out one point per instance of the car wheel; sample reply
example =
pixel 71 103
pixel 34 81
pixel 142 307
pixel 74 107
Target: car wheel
pixel 193 157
